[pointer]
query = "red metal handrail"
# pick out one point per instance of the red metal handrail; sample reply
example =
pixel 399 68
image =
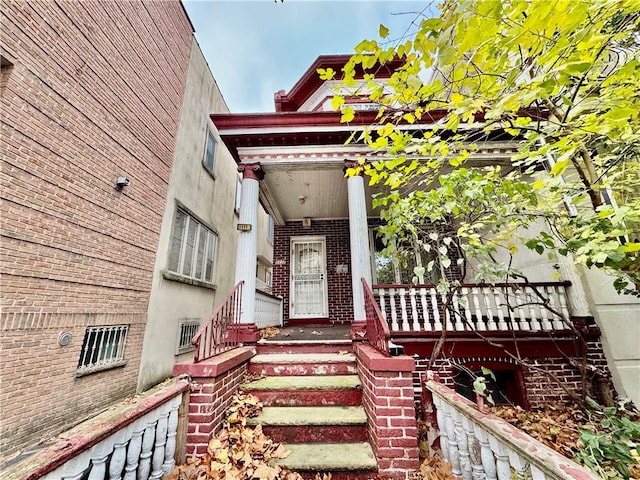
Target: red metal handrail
pixel 214 336
pixel 378 332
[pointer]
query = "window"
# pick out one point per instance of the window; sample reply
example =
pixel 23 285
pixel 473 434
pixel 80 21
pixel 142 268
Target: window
pixel 102 348
pixel 5 69
pixel 238 195
pixel 187 329
pixel 192 248
pixel 210 152
pixel 270 227
pixel 504 389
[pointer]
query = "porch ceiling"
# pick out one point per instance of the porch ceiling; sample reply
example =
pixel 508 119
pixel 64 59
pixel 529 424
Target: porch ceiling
pixel 317 191
pixel 303 154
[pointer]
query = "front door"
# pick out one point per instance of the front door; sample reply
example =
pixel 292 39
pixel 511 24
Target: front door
pixel 308 297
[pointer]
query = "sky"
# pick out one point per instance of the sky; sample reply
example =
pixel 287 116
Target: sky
pixel 255 48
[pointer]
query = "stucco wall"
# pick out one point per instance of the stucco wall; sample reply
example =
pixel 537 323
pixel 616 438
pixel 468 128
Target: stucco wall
pixel 212 201
pixel 618 317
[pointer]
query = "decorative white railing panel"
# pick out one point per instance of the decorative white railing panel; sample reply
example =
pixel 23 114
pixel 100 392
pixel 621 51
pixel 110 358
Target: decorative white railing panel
pixel 268 310
pixel 499 307
pixel 483 446
pixel 143 450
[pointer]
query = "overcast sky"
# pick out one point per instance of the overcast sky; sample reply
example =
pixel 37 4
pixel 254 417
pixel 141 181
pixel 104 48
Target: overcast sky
pixel 255 48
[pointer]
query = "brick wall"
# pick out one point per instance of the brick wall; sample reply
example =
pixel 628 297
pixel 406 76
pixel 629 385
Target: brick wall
pixel 95 92
pixel 537 388
pixel 338 253
pixel 213 384
pixel 387 397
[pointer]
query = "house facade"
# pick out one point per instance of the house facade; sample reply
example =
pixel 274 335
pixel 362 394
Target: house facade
pixel 327 255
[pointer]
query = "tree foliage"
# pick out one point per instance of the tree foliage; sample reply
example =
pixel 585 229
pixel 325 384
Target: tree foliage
pixel 561 79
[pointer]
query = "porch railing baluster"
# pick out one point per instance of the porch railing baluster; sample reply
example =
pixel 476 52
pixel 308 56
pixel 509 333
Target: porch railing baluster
pixel 500 306
pixel 394 314
pixel 214 336
pixel 497 307
pixel 427 325
pixel 415 319
pixel 378 333
pixel 402 293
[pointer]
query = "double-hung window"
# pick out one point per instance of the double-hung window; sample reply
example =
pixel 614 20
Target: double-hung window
pixel 192 249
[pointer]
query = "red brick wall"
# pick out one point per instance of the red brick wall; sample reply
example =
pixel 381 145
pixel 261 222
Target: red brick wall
pixel 537 387
pixel 388 399
pixel 95 92
pixel 338 253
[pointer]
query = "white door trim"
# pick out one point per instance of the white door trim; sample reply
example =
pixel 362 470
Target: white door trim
pixel 323 305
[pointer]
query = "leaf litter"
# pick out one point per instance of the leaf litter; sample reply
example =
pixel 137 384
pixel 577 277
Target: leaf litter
pixel 238 452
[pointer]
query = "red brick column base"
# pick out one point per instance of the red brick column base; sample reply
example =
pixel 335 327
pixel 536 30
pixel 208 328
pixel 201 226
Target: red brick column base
pixel 387 395
pixel 213 384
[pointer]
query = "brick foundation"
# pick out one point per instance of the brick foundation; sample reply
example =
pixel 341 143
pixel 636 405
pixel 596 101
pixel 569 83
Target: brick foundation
pixel 387 396
pixel 537 388
pixel 213 384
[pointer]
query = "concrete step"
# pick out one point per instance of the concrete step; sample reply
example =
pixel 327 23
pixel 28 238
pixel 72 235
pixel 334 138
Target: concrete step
pixel 343 460
pixel 267 345
pixel 295 391
pixel 299 364
pixel 313 424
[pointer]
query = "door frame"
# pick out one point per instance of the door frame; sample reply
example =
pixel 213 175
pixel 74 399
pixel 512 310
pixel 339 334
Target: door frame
pixel 325 306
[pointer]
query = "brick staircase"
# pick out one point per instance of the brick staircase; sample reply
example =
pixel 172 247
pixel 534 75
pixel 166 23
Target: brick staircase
pixel 313 404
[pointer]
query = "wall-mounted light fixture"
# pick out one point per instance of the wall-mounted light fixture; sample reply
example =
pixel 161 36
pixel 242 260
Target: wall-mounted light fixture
pixel 306 222
pixel 302 199
pixel 121 182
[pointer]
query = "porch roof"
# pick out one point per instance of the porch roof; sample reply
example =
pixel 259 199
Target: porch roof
pixel 303 154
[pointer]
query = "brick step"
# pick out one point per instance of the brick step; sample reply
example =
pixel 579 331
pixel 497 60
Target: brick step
pixel 353 460
pixel 299 364
pixel 293 391
pixel 303 346
pixel 313 424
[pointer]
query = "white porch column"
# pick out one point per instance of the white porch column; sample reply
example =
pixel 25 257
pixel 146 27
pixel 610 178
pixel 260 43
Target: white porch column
pixel 359 241
pixel 247 239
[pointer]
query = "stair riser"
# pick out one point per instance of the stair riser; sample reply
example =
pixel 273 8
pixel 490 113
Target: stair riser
pixel 305 348
pixel 302 398
pixel 302 369
pixel 341 475
pixel 317 433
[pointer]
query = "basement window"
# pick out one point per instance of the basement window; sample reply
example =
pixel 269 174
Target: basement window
pixel 186 330
pixel 102 349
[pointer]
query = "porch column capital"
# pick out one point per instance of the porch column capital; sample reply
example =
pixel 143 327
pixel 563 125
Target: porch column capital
pixel 354 164
pixel 253 171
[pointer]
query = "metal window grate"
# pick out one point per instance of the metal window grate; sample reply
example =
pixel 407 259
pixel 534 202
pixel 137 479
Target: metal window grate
pixel 188 329
pixel 102 347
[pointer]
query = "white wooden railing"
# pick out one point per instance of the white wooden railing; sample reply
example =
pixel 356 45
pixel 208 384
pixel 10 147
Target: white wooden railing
pixel 268 311
pixel 483 446
pixel 533 307
pixel 135 440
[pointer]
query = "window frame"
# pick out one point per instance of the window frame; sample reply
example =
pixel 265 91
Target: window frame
pixel 102 335
pixel 206 158
pixel 270 229
pixel 191 323
pixel 200 259
pixel 238 196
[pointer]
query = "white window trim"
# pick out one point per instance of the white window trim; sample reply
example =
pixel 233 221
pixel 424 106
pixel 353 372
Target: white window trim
pixel 210 251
